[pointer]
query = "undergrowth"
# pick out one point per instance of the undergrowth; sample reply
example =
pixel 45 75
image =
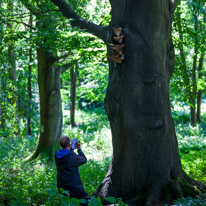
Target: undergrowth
pixel 34 183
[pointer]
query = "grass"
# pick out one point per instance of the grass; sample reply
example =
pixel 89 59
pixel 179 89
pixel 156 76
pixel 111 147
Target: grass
pixel 34 183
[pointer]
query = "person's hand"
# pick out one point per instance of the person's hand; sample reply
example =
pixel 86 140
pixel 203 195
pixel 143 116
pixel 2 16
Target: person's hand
pixel 78 145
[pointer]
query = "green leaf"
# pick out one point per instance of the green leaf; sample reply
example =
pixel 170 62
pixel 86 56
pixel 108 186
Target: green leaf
pixel 110 199
pixel 82 201
pixel 61 190
pixel 18 203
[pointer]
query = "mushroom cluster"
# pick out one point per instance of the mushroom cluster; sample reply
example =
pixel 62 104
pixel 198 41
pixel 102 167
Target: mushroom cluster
pixel 118 55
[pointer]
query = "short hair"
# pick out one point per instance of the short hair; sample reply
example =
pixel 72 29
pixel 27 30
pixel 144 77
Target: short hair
pixel 64 142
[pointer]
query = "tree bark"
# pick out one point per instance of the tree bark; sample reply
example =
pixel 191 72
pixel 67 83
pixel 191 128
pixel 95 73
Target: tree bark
pixel 194 91
pixel 50 105
pixel 145 164
pixel 199 101
pixel 73 76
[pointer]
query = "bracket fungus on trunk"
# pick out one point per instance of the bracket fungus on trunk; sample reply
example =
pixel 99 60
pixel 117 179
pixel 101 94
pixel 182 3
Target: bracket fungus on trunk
pixel 118 55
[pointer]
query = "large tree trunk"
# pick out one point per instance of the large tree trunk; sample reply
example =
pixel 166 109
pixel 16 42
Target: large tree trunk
pixel 146 162
pixel 73 76
pixel 50 104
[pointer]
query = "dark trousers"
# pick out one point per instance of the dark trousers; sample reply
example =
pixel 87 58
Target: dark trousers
pixel 80 194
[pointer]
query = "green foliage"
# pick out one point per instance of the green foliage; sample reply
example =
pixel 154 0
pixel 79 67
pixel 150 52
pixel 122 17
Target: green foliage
pixel 200 201
pixel 35 182
pixel 189 42
pixel 194 164
pixel 192 145
pixel 38 178
pixel 92 74
pixel 53 33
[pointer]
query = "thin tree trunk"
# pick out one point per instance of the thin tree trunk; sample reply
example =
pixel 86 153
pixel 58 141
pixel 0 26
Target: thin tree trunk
pixel 29 132
pixel 199 93
pixel 194 70
pixel 13 98
pixel 2 94
pixel 12 63
pixel 3 99
pixel 194 91
pixel 73 76
pixel 1 105
pixel 199 100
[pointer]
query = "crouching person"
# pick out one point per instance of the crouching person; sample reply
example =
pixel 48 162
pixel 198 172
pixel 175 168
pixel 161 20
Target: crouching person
pixel 67 163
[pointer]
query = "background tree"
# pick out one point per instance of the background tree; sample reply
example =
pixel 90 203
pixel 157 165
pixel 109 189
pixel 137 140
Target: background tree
pixel 189 35
pixel 73 76
pixel 48 49
pixel 9 102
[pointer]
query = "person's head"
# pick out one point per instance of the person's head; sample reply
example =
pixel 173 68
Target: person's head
pixel 65 142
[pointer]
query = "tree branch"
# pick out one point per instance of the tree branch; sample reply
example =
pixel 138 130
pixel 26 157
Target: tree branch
pixel 65 67
pixel 19 22
pixel 55 59
pixel 19 15
pixel 90 27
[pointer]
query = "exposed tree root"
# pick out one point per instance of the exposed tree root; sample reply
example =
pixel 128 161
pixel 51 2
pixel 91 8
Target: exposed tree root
pixel 49 154
pixel 174 189
pixel 33 156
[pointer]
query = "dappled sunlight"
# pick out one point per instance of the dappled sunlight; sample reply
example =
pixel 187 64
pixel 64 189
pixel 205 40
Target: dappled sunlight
pixel 56 78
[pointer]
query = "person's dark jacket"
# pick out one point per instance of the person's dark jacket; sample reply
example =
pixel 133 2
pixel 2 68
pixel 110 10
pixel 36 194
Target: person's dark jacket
pixel 68 177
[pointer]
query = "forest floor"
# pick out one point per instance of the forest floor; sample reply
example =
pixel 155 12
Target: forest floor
pixel 34 183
